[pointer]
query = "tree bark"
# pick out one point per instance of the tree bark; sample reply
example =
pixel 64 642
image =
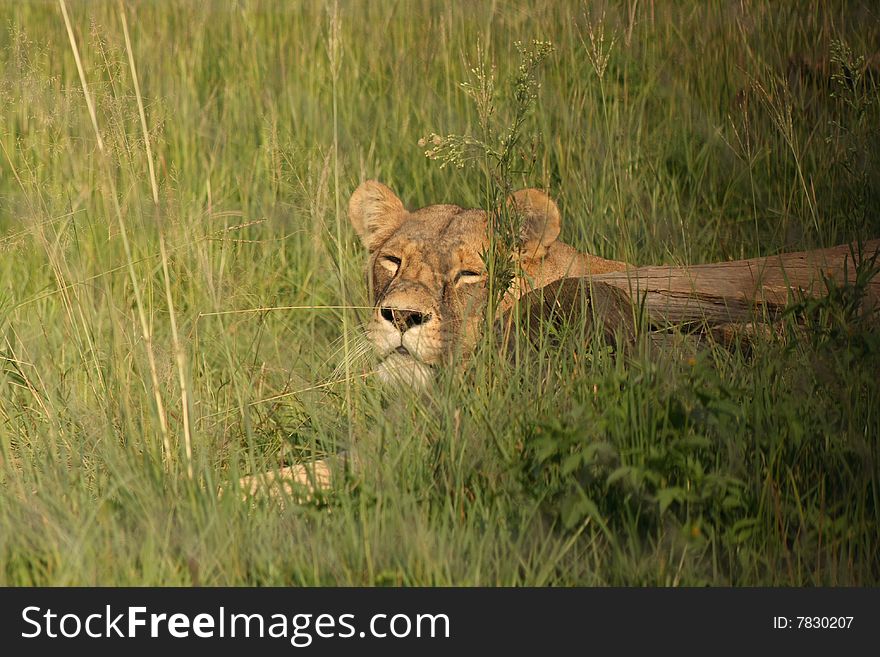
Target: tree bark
pixel 711 297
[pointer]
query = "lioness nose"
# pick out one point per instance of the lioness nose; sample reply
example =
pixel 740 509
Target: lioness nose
pixel 403 319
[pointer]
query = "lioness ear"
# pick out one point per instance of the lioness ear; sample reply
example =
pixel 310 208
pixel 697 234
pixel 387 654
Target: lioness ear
pixel 540 218
pixel 375 212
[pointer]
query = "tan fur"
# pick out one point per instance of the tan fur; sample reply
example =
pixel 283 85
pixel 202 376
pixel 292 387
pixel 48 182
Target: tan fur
pixel 295 482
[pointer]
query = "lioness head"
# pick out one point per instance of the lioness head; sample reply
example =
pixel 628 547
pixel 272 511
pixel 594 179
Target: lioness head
pixel 427 278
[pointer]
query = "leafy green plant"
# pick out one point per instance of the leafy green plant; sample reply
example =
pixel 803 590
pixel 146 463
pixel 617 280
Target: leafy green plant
pixel 855 135
pixel 499 151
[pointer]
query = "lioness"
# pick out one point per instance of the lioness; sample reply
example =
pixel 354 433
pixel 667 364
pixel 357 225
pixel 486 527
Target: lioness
pixel 428 288
pixel 426 276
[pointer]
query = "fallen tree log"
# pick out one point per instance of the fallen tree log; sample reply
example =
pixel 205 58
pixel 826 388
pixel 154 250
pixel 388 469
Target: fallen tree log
pixel 712 298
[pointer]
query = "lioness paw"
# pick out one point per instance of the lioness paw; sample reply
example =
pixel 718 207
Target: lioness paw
pixel 298 483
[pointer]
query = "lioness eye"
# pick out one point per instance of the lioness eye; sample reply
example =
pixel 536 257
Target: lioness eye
pixel 468 276
pixel 391 263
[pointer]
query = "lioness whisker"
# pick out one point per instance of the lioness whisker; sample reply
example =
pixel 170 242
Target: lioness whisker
pixel 325 384
pixel 268 308
pixel 360 350
pixel 318 386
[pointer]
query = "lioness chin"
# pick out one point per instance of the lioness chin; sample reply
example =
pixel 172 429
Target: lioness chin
pixel 429 290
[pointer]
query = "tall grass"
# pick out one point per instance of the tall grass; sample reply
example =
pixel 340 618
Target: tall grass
pixel 180 293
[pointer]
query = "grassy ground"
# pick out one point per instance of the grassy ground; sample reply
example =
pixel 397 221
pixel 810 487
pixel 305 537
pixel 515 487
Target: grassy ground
pixel 149 353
